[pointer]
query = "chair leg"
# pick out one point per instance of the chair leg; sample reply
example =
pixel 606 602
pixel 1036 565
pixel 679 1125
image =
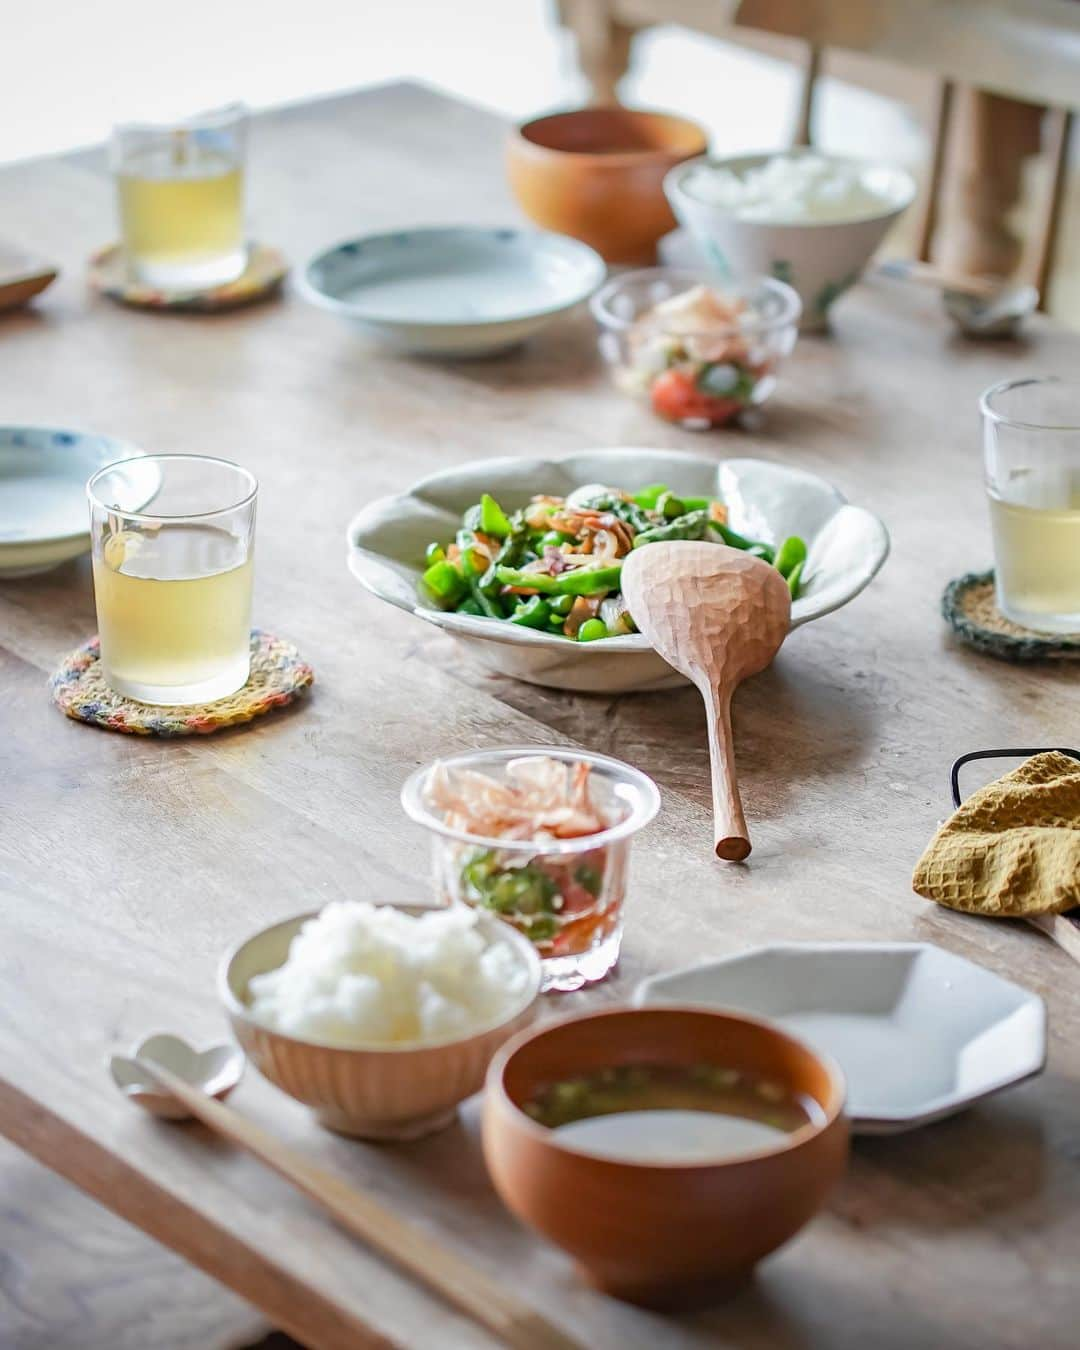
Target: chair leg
pixel 804 123
pixel 939 137
pixel 1046 234
pixel 603 45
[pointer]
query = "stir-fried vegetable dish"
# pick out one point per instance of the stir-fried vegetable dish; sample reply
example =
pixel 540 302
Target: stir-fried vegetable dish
pixel 555 564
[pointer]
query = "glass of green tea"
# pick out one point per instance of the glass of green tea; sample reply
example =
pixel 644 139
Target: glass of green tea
pixel 180 190
pixel 1031 449
pixel 173 556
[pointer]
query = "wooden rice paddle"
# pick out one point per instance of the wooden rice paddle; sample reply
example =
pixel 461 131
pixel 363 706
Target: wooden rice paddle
pixel 482 1299
pixel 716 614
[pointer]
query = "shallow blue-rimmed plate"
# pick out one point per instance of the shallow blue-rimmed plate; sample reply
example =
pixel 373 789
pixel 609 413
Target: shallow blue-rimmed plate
pixel 453 290
pixel 44 515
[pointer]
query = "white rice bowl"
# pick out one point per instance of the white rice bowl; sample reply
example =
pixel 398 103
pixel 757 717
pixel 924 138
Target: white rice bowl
pixel 360 975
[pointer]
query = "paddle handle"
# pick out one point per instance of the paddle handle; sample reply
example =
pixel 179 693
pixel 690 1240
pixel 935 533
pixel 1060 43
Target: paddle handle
pixel 514 1322
pixel 732 839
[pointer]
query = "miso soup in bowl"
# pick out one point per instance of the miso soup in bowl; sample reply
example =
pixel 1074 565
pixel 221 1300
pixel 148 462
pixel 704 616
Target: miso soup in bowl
pixel 666 1149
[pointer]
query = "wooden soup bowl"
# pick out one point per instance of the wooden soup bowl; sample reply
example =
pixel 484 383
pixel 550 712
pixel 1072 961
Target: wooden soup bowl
pixel 661 1234
pixel 598 174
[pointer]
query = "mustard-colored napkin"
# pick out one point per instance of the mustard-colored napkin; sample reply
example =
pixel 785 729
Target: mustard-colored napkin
pixel 1013 848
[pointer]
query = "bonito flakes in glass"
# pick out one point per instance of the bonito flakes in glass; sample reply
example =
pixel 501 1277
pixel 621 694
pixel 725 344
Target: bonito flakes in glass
pixel 542 838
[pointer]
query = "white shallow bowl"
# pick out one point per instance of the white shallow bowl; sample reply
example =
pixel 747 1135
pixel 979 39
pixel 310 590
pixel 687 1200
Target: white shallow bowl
pixel 919 1033
pixel 44 514
pixel 453 291
pixel 386 542
pixel 820 259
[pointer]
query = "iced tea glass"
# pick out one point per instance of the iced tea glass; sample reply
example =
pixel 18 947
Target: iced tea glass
pixel 565 895
pixel 180 193
pixel 173 557
pixel 1031 449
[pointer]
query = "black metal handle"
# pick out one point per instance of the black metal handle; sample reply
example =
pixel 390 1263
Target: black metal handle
pixel 958 764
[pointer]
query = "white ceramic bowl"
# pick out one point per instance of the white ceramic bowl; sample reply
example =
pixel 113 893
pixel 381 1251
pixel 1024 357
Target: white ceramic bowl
pixel 386 543
pixel 399 1091
pixel 919 1033
pixel 44 516
pixel 820 259
pixel 452 291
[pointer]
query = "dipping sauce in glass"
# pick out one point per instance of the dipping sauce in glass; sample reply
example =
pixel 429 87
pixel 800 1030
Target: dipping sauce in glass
pixel 671 1113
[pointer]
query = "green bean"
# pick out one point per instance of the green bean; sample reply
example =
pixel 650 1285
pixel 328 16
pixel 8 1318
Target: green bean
pixel 670 506
pixel 434 553
pixel 648 496
pixel 738 541
pixel 690 526
pixel 582 581
pixel 534 613
pixel 794 580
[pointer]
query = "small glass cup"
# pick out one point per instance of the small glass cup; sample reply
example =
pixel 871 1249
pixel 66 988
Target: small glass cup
pixel 571 907
pixel 1031 450
pixel 173 555
pixel 698 373
pixel 180 192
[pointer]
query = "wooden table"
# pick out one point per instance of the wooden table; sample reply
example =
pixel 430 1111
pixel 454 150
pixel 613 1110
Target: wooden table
pixel 127 865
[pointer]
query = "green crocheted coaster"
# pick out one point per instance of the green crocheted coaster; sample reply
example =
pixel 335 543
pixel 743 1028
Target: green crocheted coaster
pixel 970 609
pixel 278 676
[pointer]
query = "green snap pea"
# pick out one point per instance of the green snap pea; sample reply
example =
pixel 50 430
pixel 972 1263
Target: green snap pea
pixel 444 584
pixel 493 519
pixel 649 495
pixel 670 506
pixel 591 630
pixel 739 541
pixel 434 553
pixel 562 605
pixel 794 580
pixel 790 553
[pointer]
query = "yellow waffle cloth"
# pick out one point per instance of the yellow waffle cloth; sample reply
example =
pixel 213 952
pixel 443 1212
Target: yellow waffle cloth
pixel 1013 848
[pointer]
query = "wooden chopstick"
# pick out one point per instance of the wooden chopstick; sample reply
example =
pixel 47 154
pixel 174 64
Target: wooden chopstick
pixel 468 1289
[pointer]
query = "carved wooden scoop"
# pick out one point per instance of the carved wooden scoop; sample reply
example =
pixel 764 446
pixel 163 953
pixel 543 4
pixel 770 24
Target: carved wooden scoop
pixel 717 615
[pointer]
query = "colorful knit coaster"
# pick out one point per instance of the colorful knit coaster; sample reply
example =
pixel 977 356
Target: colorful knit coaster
pixel 278 676
pixel 970 609
pixel 265 271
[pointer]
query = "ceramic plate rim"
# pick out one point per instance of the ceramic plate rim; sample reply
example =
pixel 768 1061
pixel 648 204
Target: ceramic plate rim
pixel 351 309
pixel 127 450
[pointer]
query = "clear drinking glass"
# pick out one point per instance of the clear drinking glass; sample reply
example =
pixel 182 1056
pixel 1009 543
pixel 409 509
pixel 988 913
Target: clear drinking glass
pixel 173 542
pixel 566 895
pixel 1031 448
pixel 180 190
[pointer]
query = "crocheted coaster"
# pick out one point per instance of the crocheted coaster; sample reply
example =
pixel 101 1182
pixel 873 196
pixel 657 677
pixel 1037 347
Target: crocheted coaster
pixel 970 609
pixel 278 676
pixel 261 278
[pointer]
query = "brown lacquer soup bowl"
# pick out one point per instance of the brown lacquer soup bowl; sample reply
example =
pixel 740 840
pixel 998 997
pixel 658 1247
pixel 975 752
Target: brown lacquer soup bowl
pixel 598 174
pixel 662 1233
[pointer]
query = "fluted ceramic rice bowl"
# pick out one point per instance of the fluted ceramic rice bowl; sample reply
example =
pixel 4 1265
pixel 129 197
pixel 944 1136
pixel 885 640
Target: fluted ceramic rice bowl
pixel 390 1091
pixel 820 259
pixel 765 501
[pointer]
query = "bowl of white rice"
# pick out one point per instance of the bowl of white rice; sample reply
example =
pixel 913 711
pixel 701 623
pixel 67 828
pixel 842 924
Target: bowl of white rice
pixel 380 1018
pixel 810 219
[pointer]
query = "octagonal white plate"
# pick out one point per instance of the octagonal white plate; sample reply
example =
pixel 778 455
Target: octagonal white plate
pixel 766 501
pixel 44 514
pixel 919 1033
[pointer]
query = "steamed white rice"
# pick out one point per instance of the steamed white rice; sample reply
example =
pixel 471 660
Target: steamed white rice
pixel 788 189
pixel 360 974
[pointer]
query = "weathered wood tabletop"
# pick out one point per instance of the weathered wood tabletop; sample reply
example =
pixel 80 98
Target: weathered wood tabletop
pixel 127 865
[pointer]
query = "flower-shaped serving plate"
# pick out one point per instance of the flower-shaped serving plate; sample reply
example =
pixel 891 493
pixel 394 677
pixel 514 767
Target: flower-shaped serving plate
pixel 847 545
pixel 919 1033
